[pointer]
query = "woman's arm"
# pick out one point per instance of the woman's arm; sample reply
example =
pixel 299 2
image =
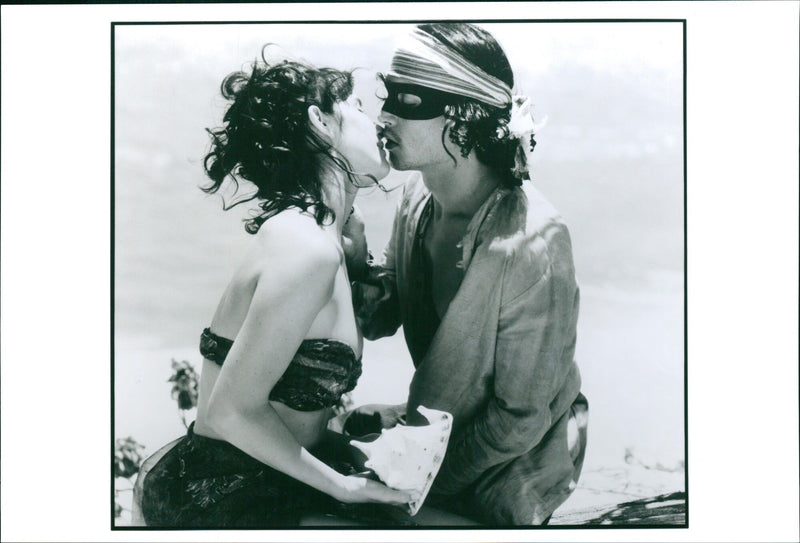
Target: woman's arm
pixel 293 286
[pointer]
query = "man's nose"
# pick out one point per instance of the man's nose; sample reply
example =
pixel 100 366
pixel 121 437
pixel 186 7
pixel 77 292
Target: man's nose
pixel 385 118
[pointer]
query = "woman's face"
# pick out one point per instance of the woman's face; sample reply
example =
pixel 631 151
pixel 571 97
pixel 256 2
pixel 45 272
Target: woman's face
pixel 358 140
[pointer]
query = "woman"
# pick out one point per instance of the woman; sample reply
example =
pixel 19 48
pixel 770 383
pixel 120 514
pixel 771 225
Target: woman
pixel 283 345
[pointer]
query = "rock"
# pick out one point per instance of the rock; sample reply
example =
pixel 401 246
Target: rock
pixel 663 510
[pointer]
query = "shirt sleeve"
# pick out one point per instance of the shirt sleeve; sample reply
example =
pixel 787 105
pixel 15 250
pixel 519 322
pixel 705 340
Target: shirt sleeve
pixel 536 335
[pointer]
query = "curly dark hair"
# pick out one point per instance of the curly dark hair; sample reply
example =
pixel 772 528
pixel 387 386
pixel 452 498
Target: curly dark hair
pixel 477 125
pixel 266 138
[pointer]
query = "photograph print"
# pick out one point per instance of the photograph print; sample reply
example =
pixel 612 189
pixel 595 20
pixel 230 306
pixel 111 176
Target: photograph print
pixel 386 275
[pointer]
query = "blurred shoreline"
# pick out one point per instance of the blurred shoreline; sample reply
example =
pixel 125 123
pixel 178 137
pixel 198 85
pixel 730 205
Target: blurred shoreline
pixel 627 416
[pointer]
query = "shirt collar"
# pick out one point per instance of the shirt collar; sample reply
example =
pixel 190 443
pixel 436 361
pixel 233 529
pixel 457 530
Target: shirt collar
pixel 481 216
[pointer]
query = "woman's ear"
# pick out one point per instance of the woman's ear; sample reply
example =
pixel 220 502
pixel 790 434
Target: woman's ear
pixel 320 122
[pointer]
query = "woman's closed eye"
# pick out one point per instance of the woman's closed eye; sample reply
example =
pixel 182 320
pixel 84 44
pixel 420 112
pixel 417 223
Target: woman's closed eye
pixel 355 102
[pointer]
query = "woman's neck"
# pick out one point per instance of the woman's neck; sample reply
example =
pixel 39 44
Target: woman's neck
pixel 339 194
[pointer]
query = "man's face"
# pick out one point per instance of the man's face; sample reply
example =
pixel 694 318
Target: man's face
pixel 413 122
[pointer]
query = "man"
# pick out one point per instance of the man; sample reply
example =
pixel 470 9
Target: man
pixel 479 273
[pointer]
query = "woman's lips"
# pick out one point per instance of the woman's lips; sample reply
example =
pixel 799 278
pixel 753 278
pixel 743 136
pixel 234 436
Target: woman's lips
pixel 388 141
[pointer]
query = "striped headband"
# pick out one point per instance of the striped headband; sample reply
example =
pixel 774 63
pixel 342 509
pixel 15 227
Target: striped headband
pixel 423 60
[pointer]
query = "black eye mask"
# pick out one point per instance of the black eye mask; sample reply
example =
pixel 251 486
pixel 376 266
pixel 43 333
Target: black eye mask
pixel 431 105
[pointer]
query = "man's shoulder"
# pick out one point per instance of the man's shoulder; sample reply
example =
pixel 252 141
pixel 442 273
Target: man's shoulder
pixel 529 234
pixel 540 213
pixel 523 216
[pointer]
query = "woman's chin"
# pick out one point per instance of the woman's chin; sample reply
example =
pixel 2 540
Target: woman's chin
pixel 379 170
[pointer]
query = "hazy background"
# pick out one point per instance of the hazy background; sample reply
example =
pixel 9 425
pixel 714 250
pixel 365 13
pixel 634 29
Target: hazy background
pixel 610 158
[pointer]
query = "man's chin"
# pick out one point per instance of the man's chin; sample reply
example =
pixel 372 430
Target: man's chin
pixel 398 165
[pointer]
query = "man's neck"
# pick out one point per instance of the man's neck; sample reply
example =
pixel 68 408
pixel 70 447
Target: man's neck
pixel 459 191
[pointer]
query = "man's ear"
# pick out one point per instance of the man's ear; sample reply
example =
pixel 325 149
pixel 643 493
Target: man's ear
pixel 449 145
pixel 448 126
pixel 320 122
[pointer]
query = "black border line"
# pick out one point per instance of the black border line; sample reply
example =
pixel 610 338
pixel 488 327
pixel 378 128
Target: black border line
pixel 683 526
pixel 112 288
pixel 685 291
pixel 391 21
pixel 112 255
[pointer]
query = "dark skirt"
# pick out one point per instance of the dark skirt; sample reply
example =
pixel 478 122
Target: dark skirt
pixel 207 483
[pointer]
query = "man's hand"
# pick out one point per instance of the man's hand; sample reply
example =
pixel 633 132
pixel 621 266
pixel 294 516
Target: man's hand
pixel 366 298
pixel 354 243
pixel 372 418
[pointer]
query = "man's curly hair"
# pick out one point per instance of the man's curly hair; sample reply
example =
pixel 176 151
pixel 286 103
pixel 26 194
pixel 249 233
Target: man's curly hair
pixel 266 138
pixel 476 125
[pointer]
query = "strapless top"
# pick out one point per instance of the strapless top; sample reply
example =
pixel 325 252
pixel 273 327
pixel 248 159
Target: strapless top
pixel 320 372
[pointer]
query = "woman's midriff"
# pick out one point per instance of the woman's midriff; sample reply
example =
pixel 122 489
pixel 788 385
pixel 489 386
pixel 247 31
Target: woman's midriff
pixel 308 427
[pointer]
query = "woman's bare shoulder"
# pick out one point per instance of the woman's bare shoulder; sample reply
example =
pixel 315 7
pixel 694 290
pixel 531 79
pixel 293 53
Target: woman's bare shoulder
pixel 290 260
pixel 295 243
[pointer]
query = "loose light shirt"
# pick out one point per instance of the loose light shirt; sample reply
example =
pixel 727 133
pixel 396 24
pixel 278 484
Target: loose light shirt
pixel 502 358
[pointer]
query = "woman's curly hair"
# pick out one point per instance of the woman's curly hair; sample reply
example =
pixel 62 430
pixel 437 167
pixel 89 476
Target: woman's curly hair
pixel 476 125
pixel 266 138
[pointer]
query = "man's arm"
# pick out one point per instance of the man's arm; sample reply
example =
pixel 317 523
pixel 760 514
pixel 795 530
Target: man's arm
pixel 374 285
pixel 354 244
pixel 376 303
pixel 536 336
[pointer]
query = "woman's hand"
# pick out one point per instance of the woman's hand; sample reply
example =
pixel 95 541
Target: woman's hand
pixel 358 489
